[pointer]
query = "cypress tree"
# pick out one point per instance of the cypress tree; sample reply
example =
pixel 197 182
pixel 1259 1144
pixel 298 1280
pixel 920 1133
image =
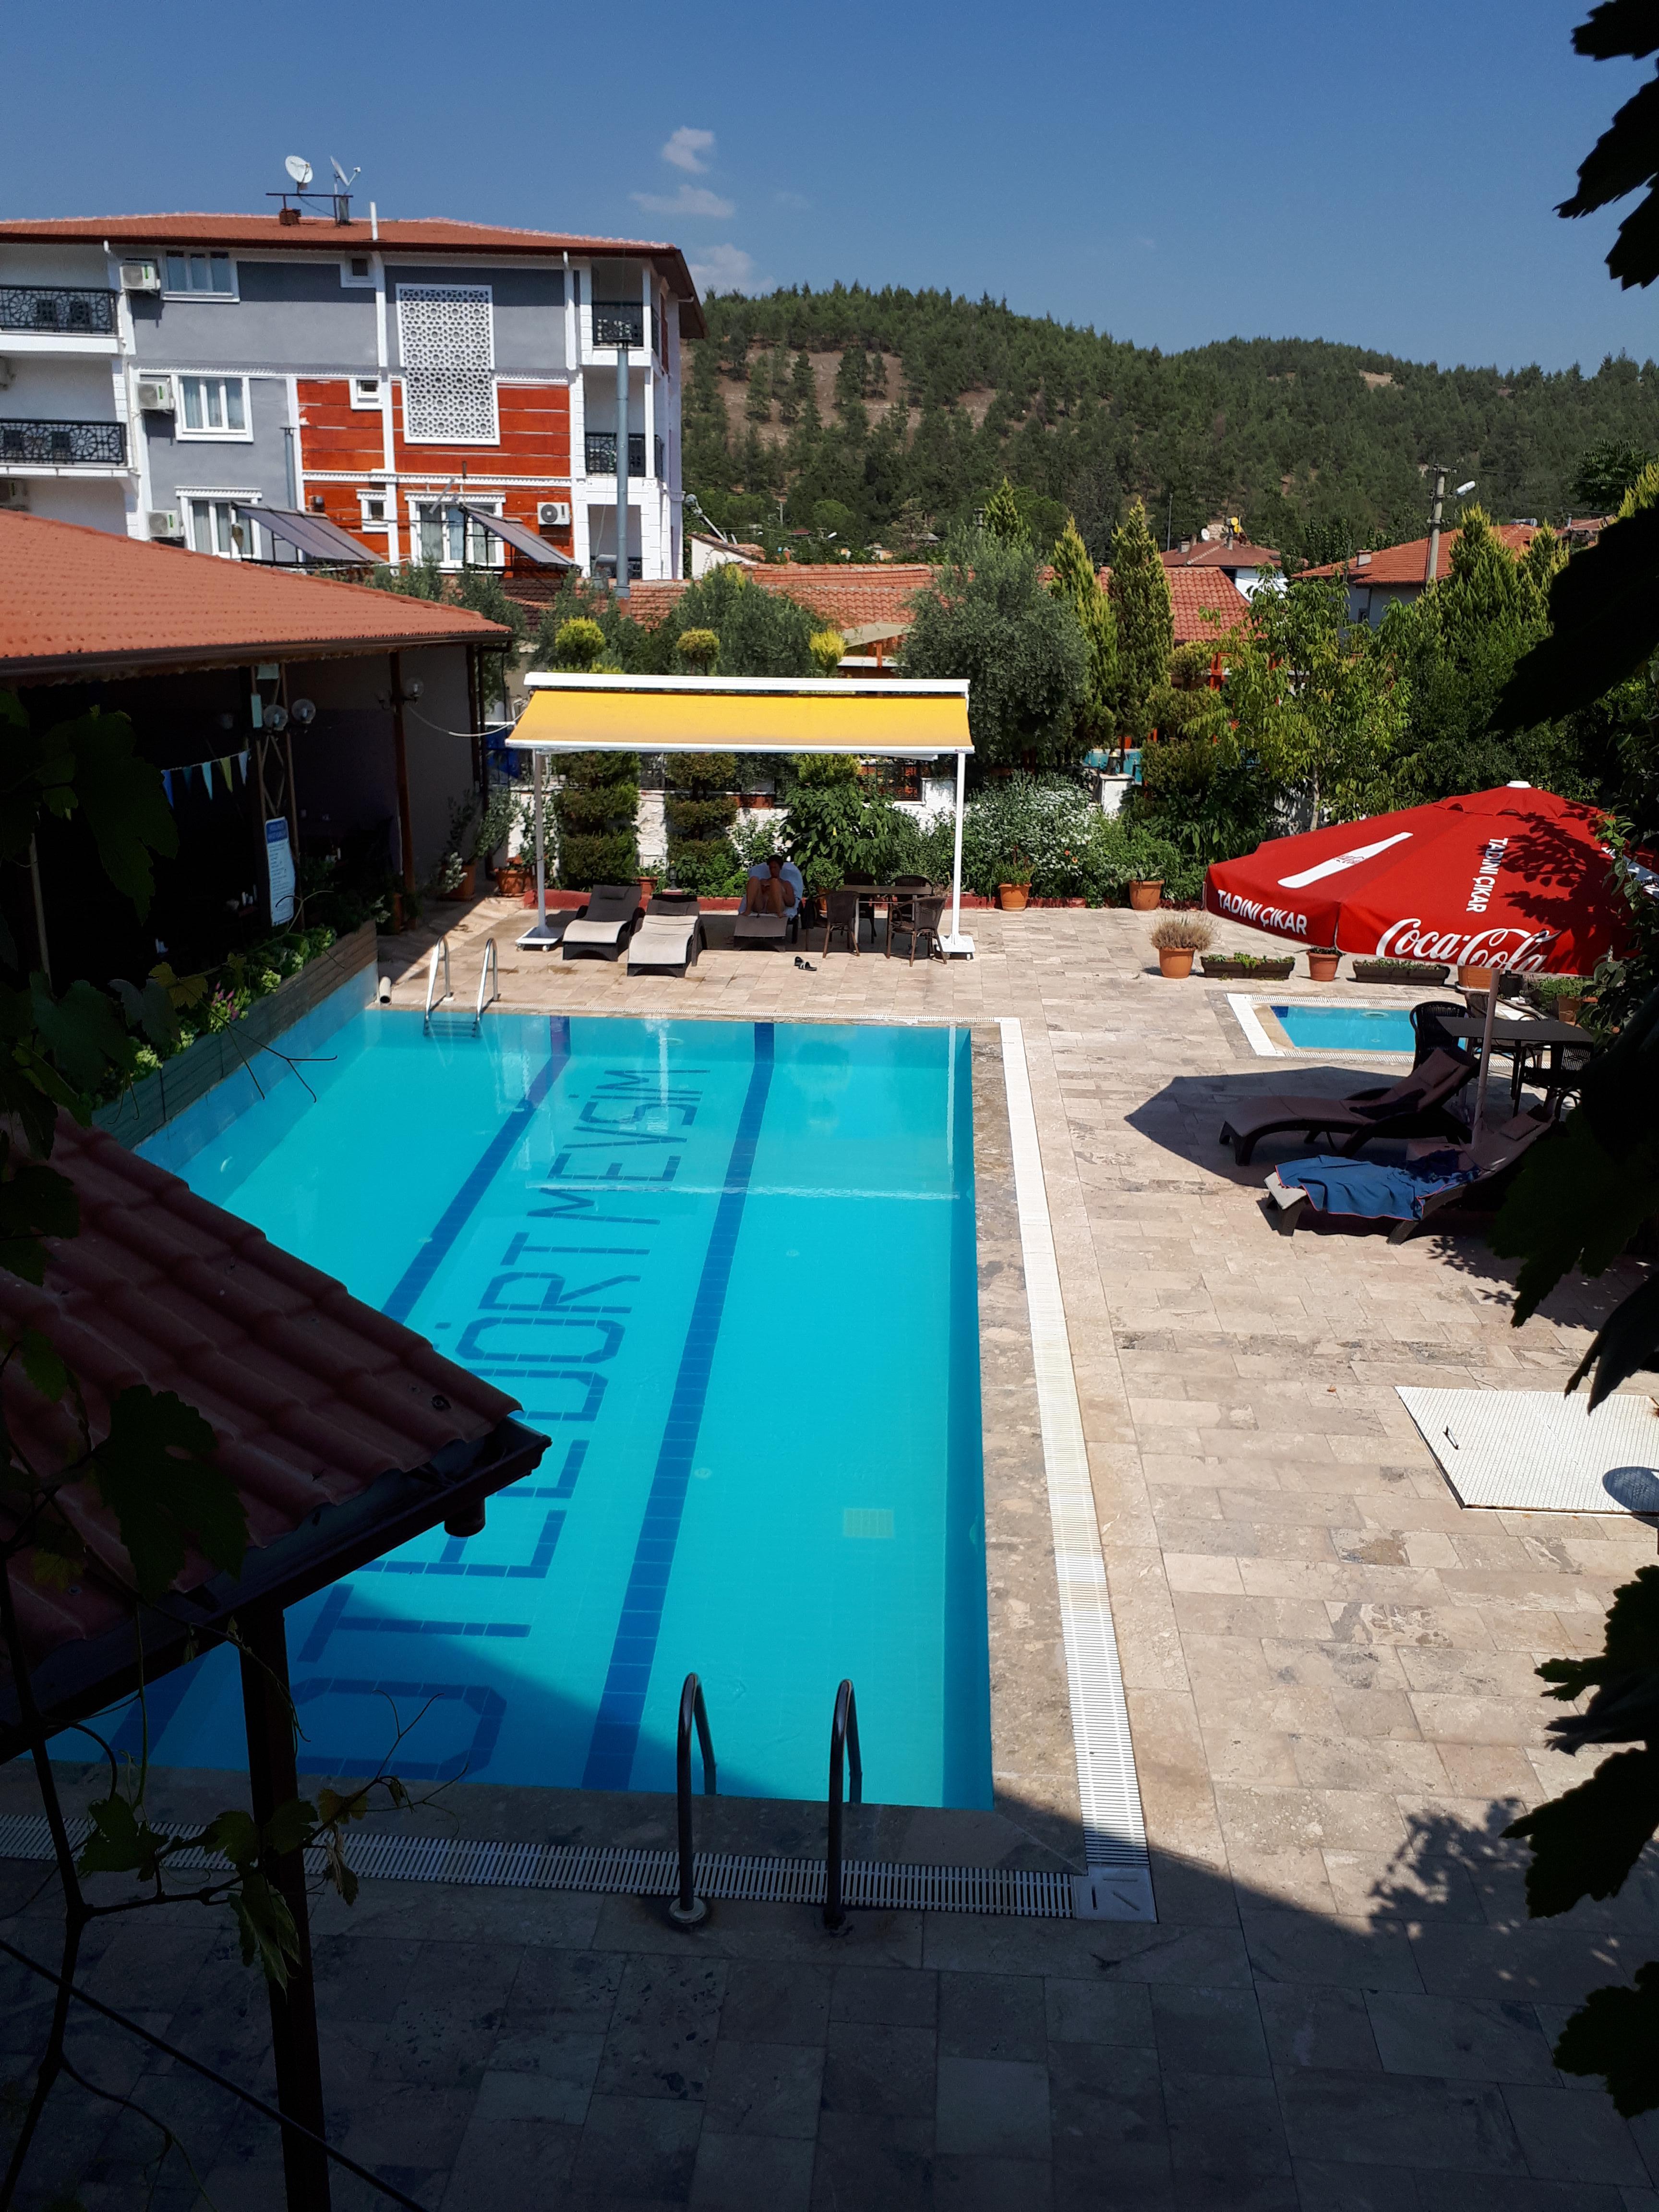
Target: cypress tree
pixel 1074 580
pixel 1003 517
pixel 1146 621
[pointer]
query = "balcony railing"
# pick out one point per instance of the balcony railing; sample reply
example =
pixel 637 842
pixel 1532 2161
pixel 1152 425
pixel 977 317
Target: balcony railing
pixel 602 454
pixel 618 322
pixel 65 445
pixel 661 470
pixel 85 310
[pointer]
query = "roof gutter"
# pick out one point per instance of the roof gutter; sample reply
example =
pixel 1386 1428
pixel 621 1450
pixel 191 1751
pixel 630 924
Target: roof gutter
pixel 163 661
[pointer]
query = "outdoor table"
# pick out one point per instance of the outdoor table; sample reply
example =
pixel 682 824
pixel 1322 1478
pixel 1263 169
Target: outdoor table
pixel 883 894
pixel 1523 1041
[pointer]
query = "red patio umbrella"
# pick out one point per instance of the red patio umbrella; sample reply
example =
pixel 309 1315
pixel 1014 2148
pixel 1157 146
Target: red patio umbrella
pixel 1513 879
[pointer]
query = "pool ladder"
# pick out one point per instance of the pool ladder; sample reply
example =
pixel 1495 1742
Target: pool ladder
pixel 489 983
pixel 688 1910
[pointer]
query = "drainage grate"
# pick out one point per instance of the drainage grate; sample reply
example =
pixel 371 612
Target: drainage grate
pixel 872 1885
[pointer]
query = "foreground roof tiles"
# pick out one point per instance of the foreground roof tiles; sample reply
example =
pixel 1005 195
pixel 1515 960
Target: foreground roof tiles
pixel 1222 553
pixel 74 602
pixel 1401 565
pixel 312 1395
pixel 1196 597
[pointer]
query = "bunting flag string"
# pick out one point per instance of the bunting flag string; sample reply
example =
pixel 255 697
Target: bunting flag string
pixel 229 765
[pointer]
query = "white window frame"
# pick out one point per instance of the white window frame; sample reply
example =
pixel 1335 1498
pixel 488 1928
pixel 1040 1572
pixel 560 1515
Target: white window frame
pixel 193 292
pixel 387 496
pixel 366 402
pixel 211 496
pixel 349 275
pixel 180 430
pixel 494 548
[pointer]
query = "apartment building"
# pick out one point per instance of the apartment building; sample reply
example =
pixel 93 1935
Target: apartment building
pixel 408 381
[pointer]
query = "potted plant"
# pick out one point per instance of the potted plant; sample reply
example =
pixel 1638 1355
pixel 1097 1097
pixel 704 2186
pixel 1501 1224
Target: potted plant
pixel 1424 973
pixel 1145 892
pixel 1014 895
pixel 457 878
pixel 1562 996
pixel 648 890
pixel 1323 961
pixel 1176 939
pixel 1258 967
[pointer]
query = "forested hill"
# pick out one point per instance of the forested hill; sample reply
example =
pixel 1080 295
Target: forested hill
pixel 902 407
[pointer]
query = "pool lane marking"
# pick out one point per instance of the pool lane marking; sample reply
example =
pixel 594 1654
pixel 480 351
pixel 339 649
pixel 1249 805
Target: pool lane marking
pixel 1118 1884
pixel 1250 1022
pixel 633 1653
pixel 438 1246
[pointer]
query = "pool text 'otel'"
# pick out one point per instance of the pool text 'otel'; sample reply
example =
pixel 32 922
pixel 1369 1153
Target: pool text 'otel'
pixel 160 371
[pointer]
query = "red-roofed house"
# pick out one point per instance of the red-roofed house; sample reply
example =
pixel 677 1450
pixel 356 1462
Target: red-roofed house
pixel 849 595
pixel 1206 604
pixel 411 382
pixel 1249 567
pixel 1394 575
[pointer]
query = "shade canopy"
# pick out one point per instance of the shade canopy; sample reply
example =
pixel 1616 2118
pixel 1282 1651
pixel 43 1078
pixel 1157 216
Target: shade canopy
pixel 519 535
pixel 905 718
pixel 1512 878
pixel 313 535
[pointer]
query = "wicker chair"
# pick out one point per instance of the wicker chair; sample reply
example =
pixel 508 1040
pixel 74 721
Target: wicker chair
pixel 864 884
pixel 841 910
pixel 919 922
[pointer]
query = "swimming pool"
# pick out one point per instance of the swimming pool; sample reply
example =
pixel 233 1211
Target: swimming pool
pixel 1348 1029
pixel 729 1268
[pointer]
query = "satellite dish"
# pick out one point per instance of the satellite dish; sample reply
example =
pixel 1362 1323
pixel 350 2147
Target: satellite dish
pixel 298 168
pixel 344 182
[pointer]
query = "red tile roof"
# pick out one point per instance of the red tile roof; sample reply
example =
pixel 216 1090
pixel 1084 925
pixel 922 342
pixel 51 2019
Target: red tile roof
pixel 75 602
pixel 849 594
pixel 1404 565
pixel 314 1397
pixel 1222 553
pixel 322 234
pixel 1195 593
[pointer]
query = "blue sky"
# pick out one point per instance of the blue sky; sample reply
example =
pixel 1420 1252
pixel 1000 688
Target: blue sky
pixel 1384 175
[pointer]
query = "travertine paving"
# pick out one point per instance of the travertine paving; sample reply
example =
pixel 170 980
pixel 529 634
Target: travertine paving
pixel 1329 1670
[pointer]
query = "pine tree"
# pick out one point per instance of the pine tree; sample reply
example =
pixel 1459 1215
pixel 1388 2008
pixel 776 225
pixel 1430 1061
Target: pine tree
pixel 782 391
pixel 1003 517
pixel 1146 621
pixel 759 407
pixel 803 392
pixel 1074 580
pixel 851 378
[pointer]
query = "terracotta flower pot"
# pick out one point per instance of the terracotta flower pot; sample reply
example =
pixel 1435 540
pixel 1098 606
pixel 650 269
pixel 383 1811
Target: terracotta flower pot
pixel 1145 896
pixel 1175 961
pixel 1014 897
pixel 1476 979
pixel 647 888
pixel 1323 966
pixel 1567 1009
pixel 511 880
pixel 466 888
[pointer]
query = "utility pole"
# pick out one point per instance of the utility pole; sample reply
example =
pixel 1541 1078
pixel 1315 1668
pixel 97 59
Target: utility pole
pixel 622 451
pixel 1431 566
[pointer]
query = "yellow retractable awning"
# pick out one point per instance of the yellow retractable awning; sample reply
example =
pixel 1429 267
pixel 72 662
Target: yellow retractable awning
pixel 687 714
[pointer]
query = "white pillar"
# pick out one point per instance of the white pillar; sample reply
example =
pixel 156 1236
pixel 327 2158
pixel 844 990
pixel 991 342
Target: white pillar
pixel 955 873
pixel 541 848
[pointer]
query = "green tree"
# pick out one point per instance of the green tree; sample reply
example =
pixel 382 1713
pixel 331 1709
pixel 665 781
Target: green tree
pixel 758 405
pixel 988 619
pixel 595 808
pixel 1606 472
pixel 1146 623
pixel 760 633
pixel 1318 701
pixel 1003 517
pixel 1074 580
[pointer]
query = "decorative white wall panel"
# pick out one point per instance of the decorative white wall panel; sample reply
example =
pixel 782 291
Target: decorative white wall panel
pixel 446 337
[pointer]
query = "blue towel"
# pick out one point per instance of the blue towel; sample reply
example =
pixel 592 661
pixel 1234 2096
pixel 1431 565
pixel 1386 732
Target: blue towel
pixel 1374 1190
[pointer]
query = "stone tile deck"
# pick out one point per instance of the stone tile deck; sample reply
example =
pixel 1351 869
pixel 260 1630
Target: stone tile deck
pixel 1328 1663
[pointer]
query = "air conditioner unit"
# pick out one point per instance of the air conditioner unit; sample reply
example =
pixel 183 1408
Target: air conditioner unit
pixel 166 522
pixel 556 511
pixel 14 493
pixel 140 276
pixel 156 395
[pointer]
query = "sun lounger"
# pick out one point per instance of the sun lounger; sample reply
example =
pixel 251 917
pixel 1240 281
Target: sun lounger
pixel 670 936
pixel 1403 1195
pixel 770 932
pixel 1416 1106
pixel 605 923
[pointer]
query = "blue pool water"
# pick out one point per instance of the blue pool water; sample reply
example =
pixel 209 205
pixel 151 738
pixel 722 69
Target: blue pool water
pixel 729 1268
pixel 1348 1029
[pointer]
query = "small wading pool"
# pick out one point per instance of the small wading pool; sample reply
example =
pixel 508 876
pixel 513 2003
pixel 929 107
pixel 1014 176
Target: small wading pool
pixel 1346 1028
pixel 730 1269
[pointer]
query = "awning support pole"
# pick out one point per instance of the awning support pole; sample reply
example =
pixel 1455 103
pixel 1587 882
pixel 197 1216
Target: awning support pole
pixel 621 465
pixel 268 1713
pixel 956 871
pixel 536 759
pixel 1485 1052
pixel 400 761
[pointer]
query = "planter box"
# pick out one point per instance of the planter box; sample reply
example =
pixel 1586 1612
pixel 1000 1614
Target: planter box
pixel 1398 971
pixel 189 1075
pixel 1258 971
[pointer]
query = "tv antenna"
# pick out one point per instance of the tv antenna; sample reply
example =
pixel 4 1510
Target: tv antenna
pixel 297 197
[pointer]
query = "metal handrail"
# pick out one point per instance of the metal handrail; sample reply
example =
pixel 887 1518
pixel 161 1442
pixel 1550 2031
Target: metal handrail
pixel 442 945
pixel 491 967
pixel 843 1738
pixel 688 1908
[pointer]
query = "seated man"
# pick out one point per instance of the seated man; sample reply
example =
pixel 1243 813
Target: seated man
pixel 775 886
